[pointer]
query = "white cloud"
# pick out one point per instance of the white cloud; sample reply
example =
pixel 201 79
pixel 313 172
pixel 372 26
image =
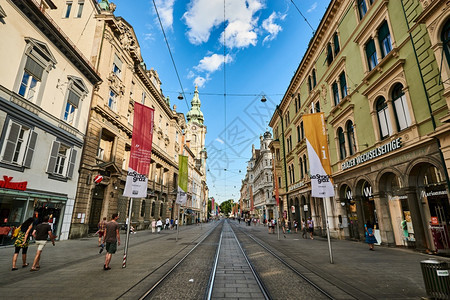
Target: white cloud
pixel 220 141
pixel 165 10
pixel 200 81
pixel 213 63
pixel 203 16
pixel 312 8
pixel 148 37
pixel 190 75
pixel 272 28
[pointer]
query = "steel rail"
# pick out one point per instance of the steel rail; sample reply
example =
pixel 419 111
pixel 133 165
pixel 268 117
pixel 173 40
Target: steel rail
pixel 213 272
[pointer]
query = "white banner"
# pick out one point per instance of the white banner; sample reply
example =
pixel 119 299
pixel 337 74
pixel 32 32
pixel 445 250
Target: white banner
pixel 181 197
pixel 136 185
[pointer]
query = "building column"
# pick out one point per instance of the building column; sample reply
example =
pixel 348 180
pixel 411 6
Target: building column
pixel 416 218
pixel 384 221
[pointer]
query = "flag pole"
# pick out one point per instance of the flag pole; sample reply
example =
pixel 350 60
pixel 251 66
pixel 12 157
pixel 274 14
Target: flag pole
pixel 328 230
pixel 125 251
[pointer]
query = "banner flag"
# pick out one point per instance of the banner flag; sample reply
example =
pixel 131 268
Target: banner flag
pixel 141 151
pixel 275 178
pixel 213 207
pixel 252 205
pixel 318 155
pixel 182 180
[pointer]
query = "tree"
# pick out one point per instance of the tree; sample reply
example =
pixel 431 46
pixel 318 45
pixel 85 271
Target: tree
pixel 226 207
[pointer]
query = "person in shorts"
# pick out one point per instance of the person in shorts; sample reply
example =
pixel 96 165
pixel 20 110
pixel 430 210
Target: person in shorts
pixel 40 234
pixel 101 231
pixel 112 240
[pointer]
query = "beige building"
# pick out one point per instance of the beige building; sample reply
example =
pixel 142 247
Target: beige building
pixel 113 48
pixel 46 86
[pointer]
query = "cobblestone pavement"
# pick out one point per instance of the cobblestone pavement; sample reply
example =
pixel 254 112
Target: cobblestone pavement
pixel 73 269
pixel 234 278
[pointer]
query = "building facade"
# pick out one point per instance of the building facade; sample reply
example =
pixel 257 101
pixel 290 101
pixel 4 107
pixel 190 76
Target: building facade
pixel 46 88
pixel 373 69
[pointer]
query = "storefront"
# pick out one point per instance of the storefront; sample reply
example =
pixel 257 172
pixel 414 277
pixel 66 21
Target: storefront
pixel 17 206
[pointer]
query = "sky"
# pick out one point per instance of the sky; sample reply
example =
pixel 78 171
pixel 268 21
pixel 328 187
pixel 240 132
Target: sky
pixel 235 51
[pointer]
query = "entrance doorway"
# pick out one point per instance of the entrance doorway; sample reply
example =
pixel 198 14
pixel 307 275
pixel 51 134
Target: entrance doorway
pixel 96 207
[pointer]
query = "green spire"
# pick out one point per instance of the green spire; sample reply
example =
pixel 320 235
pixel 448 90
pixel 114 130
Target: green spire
pixel 195 114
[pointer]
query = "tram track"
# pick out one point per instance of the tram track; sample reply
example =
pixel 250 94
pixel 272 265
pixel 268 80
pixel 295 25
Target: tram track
pixel 328 285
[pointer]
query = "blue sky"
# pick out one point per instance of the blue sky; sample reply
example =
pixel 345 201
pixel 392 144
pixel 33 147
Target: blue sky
pixel 264 43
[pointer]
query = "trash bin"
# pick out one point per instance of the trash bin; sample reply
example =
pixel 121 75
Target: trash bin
pixel 436 277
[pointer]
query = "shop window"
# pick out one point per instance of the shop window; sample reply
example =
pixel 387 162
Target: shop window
pixel 446 41
pixel 351 137
pixel 62 160
pixel 341 138
pixel 371 54
pixel 68 9
pixel 362 8
pixel 343 84
pixel 335 93
pixel 314 80
pixel 384 120
pixel 19 144
pixel 80 8
pixel 112 100
pixel 336 44
pixel 117 66
pixel 329 54
pixel 384 37
pixel 402 116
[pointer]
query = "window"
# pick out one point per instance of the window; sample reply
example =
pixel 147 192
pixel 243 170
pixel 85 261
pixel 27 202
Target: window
pixel 305 165
pixel 336 44
pixel 18 145
pixel 351 137
pixel 402 116
pixel 293 173
pixel 299 137
pixel 153 208
pixel 446 41
pixel 343 84
pixel 112 102
pixel 309 83
pixel 341 138
pixel 143 208
pixel 279 181
pixel 317 106
pixel 33 72
pixel 68 9
pixel 117 66
pixel 383 118
pixel 75 91
pixel 301 168
pixel 143 97
pixel 301 129
pixel 329 54
pixel 362 8
pixel 335 93
pixel 314 80
pixel 126 157
pixel 105 150
pixel 384 37
pixel 371 54
pixel 62 160
pixel 296 105
pixel 80 9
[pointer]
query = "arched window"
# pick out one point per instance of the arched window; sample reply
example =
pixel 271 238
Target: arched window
pixel 351 137
pixel 153 208
pixel 309 83
pixel 161 209
pixel 384 37
pixel 301 168
pixel 402 116
pixel 305 166
pixel 293 174
pixel 446 41
pixel 384 120
pixel 143 208
pixel 314 80
pixel 341 138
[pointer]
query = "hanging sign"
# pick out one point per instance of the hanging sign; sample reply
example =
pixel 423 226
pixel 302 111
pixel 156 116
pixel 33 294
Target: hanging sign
pixel 98 179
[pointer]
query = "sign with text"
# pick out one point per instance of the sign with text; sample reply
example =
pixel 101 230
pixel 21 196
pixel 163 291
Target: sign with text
pixel 7 184
pixel 141 151
pixel 182 180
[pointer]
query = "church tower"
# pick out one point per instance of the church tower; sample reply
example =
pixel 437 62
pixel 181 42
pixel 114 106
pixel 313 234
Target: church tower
pixel 196 130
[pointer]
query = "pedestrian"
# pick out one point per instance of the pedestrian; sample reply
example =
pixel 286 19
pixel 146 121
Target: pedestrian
pixel 40 234
pixel 159 225
pixel 153 226
pixel 112 239
pixel 311 228
pixel 269 224
pixel 274 224
pixel 171 224
pixel 176 223
pixel 101 232
pixel 22 243
pixel 283 225
pixel 295 225
pixel 167 223
pixel 370 236
pixel 289 226
pixel 304 229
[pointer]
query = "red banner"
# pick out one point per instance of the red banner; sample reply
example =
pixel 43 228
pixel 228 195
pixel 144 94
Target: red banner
pixel 275 178
pixel 141 151
pixel 252 206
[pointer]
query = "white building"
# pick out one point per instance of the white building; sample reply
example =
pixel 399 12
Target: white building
pixel 46 87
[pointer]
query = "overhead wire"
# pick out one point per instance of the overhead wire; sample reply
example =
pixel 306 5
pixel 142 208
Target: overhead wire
pixel 170 52
pixel 303 16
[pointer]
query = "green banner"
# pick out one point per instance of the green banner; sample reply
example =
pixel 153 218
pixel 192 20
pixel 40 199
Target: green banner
pixel 183 172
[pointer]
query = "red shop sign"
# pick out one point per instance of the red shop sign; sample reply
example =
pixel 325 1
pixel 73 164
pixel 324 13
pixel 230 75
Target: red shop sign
pixel 7 184
pixel 434 221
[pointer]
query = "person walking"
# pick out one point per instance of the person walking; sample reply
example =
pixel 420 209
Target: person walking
pixel 304 229
pixel 22 243
pixel 167 223
pixel 311 228
pixel 112 239
pixel 101 232
pixel 153 226
pixel 176 224
pixel 370 236
pixel 40 234
pixel 295 225
pixel 159 225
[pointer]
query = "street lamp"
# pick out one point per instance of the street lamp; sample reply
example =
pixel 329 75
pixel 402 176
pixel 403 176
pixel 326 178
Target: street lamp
pixel 180 97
